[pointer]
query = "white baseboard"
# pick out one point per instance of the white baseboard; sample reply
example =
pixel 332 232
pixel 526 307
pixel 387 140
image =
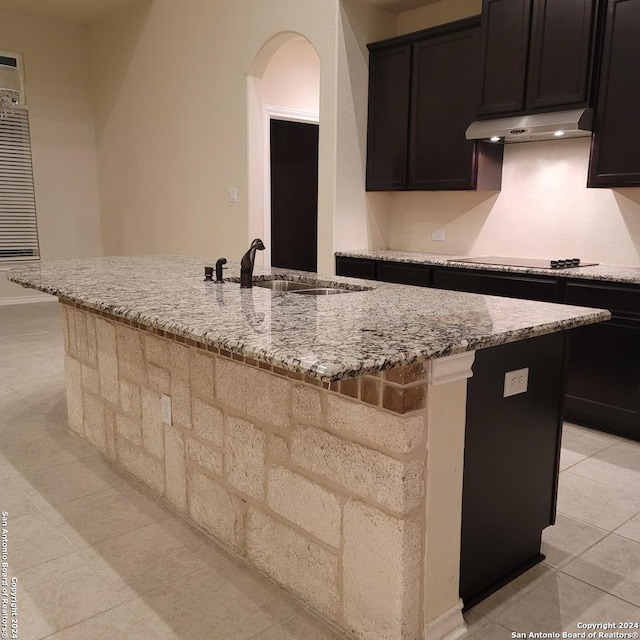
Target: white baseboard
pixel 42 297
pixel 448 626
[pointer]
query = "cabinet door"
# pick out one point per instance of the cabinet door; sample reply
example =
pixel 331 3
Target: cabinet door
pixel 403 273
pixel 497 285
pixel 356 268
pixel 560 54
pixel 389 79
pixel 510 463
pixel 603 387
pixel 615 152
pixel 442 107
pixel 505 46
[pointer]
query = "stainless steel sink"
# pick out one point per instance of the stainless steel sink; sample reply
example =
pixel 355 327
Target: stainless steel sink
pixel 300 287
pixel 322 291
pixel 283 285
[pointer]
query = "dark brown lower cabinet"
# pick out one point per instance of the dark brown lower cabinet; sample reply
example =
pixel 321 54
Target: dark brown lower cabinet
pixel 404 273
pixel 356 268
pixel 603 389
pixel 509 286
pixel 603 386
pixel 511 463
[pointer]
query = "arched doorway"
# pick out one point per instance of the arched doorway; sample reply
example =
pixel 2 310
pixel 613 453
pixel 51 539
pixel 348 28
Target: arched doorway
pixel 283 100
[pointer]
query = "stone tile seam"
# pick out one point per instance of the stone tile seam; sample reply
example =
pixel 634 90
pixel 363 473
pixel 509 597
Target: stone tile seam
pixel 303 385
pixel 317 478
pixel 418 453
pixel 344 494
pixel 270 428
pixel 281 430
pixel 275 515
pixel 194 435
pixel 341 499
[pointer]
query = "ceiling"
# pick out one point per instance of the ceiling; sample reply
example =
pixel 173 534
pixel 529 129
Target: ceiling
pixel 82 11
pixel 398 6
pixel 91 11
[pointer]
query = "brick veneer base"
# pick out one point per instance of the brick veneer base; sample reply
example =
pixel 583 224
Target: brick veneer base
pixel 320 487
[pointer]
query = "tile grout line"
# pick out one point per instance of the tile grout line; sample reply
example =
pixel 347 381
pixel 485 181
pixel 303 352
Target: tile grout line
pixel 277 624
pixel 593 586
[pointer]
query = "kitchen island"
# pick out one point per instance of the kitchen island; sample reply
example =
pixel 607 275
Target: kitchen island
pixel 320 438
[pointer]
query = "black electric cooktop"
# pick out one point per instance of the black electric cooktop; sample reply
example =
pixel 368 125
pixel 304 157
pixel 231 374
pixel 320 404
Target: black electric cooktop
pixel 532 263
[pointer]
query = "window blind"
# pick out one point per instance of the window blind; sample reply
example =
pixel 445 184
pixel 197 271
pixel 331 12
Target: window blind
pixel 18 224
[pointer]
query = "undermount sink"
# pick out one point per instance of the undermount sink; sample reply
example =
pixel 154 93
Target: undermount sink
pixel 301 287
pixel 283 285
pixel 323 291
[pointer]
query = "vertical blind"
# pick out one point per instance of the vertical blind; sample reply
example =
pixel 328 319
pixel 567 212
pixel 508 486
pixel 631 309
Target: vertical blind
pixel 18 224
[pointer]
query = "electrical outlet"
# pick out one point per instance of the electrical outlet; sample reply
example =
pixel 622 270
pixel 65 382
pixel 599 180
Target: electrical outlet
pixel 166 409
pixel 516 382
pixel 232 195
pixel 438 236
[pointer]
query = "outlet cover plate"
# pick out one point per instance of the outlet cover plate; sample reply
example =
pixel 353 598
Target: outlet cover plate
pixel 516 382
pixel 166 410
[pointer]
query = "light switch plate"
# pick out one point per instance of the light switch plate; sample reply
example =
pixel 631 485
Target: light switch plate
pixel 438 236
pixel 516 382
pixel 233 195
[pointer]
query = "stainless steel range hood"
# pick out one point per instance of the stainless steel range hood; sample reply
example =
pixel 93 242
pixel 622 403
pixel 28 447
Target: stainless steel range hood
pixel 575 123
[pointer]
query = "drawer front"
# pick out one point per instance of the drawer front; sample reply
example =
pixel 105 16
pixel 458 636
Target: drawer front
pixel 356 268
pixel 603 386
pixel 498 285
pixel 622 301
pixel 402 273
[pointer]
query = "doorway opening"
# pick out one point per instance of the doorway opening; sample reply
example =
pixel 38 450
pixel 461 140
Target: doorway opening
pixel 284 91
pixel 294 195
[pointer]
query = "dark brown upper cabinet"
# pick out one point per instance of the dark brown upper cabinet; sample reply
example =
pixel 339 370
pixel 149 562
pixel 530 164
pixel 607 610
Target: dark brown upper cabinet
pixel 422 96
pixel 537 55
pixel 560 64
pixel 390 73
pixel 506 26
pixel 615 155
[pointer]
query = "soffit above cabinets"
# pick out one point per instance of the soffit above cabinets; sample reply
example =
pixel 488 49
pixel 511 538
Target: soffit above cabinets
pixel 80 11
pixel 397 6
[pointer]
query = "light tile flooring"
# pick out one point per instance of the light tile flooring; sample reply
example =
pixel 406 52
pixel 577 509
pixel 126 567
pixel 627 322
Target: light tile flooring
pixel 96 557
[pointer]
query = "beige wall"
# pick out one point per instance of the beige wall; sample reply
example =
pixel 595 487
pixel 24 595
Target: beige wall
pixel 172 121
pixel 291 83
pixel 360 220
pixel 292 77
pixel 437 13
pixel 62 135
pixel 543 210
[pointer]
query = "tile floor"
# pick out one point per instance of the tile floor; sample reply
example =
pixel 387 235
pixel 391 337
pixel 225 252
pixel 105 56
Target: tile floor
pixel 96 557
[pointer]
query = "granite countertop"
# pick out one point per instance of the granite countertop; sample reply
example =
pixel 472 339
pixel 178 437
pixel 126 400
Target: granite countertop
pixel 623 274
pixel 325 337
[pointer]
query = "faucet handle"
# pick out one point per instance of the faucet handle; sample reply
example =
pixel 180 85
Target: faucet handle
pixel 219 269
pixel 208 274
